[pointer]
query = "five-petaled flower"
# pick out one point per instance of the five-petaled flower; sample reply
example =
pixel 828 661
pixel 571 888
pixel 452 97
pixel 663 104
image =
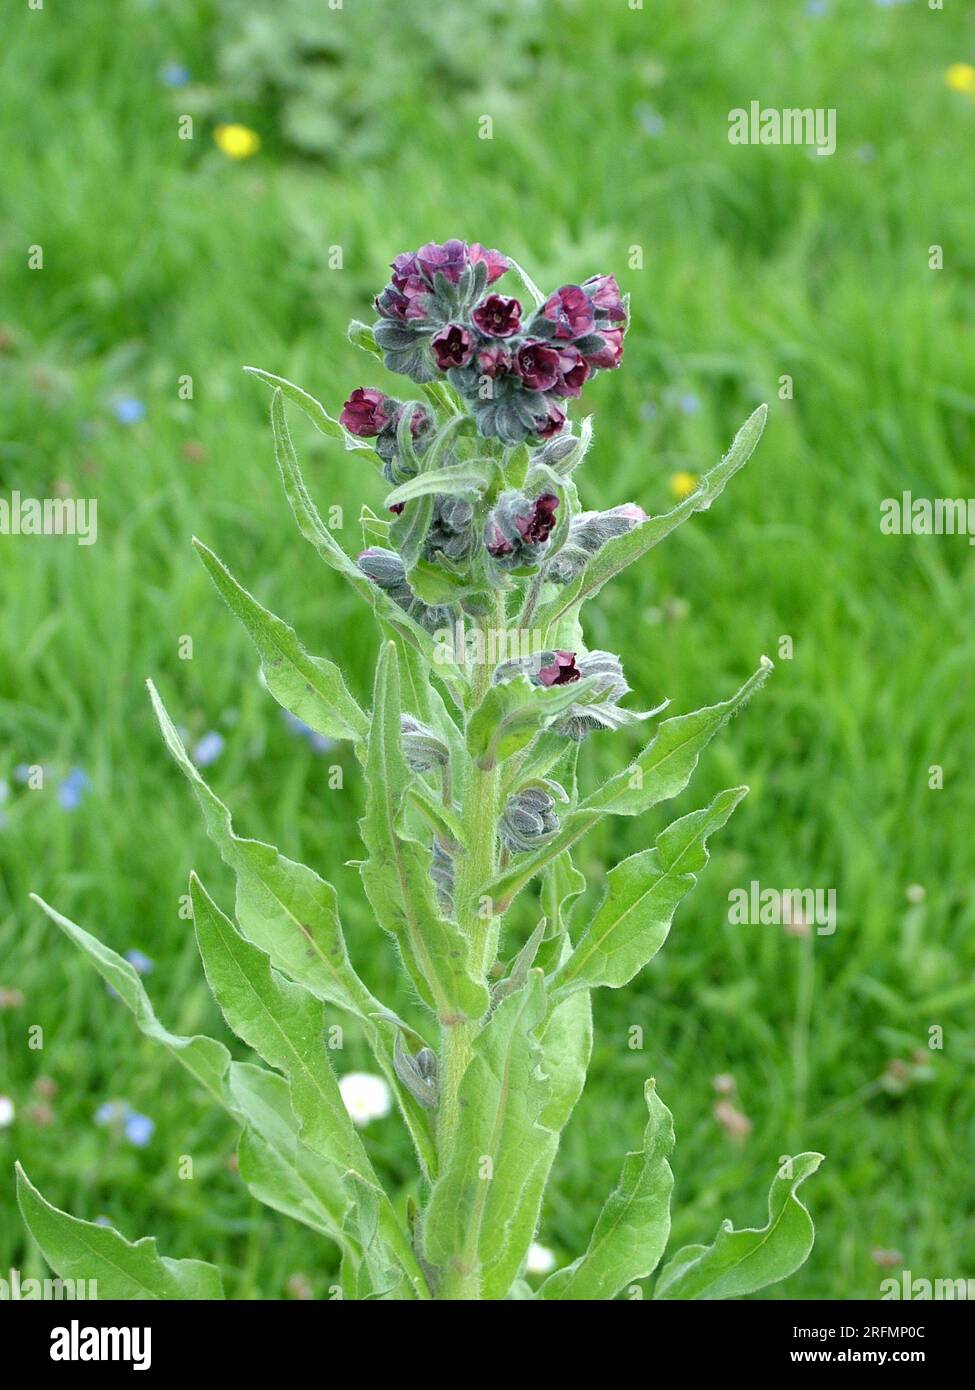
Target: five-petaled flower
pixel 570 309
pixel 453 346
pixel 497 317
pixel 562 671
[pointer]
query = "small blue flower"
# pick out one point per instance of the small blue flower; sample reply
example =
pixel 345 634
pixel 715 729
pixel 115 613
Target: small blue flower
pixel 22 773
pixel 72 789
pixel 141 963
pixel 208 750
pixel 112 1111
pixel 129 410
pixel 139 1129
pixel 175 75
pixel 689 403
pixel 817 8
pixel 648 410
pixel 319 742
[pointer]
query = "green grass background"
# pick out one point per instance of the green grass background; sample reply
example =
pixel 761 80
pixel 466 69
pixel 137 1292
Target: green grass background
pixel 163 258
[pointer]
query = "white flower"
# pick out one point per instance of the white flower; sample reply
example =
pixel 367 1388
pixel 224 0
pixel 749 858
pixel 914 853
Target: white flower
pixel 366 1097
pixel 6 1112
pixel 541 1260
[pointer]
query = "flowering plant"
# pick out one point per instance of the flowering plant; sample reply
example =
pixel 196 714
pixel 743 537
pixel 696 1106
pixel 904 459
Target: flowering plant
pixel 484 692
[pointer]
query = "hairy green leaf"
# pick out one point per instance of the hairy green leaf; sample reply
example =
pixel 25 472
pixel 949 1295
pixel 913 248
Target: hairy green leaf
pixel 311 687
pixel 80 1250
pixel 397 873
pixel 279 1169
pixel 204 1058
pixel 498 1140
pixel 452 481
pixel 314 409
pixel 315 531
pixel 284 1023
pixel 621 551
pixel 740 1262
pixel 642 895
pixel 632 1229
pixel 513 711
pixel 659 773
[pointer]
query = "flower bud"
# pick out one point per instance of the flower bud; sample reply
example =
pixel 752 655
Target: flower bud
pixel 588 532
pixel 417 1071
pixel 385 568
pixel 528 819
pixel 442 873
pixel 517 530
pixel 452 529
pixel 423 750
pixel 570 310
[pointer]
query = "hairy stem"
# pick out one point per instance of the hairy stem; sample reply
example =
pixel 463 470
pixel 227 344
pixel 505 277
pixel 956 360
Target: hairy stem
pixel 475 868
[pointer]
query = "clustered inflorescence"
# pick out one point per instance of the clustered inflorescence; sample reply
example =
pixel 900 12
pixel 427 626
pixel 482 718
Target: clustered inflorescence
pixel 511 372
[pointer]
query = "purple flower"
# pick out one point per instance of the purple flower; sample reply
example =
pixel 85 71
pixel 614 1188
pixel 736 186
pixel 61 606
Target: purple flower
pixel 139 1129
pixel 497 317
pixel 605 295
pixel 453 346
pixel 536 528
pixel 208 750
pixel 569 308
pixel 495 262
pixel 562 670
pixel 405 267
pixel 497 544
pixel 574 371
pixel 537 365
pixel 365 412
pixel 420 420
pixel 72 789
pixel 406 303
pixel 129 410
pixel 493 361
pixel 450 260
pixel 610 354
pixel 551 423
pixel 139 962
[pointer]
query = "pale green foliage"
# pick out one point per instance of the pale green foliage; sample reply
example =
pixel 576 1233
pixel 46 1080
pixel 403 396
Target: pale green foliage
pixel 488 1081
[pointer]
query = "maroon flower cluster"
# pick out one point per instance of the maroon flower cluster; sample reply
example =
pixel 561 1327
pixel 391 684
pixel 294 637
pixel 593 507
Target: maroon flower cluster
pixel 437 318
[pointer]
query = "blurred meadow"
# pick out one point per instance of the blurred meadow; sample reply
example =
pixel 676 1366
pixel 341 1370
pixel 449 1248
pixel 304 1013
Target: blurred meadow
pixel 166 258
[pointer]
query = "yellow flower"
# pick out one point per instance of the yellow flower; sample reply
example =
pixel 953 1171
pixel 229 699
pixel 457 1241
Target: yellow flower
pixel 682 484
pixel 960 77
pixel 237 141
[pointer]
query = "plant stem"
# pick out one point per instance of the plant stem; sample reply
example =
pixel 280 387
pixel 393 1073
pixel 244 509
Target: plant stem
pixel 475 867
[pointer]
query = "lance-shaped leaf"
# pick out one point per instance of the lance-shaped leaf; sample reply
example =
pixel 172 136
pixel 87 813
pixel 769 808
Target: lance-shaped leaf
pixel 80 1250
pixel 282 906
pixel 315 531
pixel 498 1138
pixel 632 1229
pixel 740 1262
pixel 452 481
pixel 278 1168
pixel 513 711
pixel 666 765
pixel 565 1042
pixel 309 686
pixel 363 337
pixel 642 895
pixel 287 910
pixel 621 551
pixel 314 409
pixel 284 1024
pixel 204 1058
pixel 397 873
pixel 659 773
